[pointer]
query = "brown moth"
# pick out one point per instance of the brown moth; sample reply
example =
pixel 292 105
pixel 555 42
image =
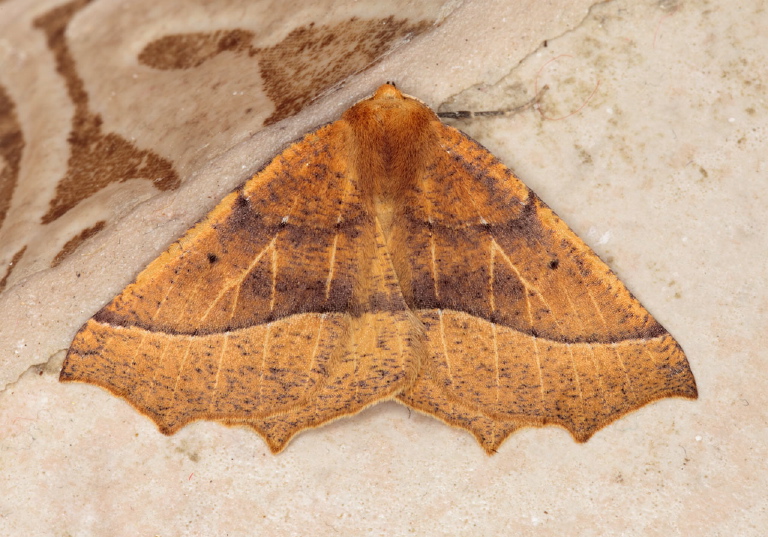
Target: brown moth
pixel 383 256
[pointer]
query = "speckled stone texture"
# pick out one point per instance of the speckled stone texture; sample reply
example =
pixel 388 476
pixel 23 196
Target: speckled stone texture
pixel 649 143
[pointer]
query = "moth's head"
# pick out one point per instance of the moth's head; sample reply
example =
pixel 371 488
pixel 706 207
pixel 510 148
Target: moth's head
pixel 391 108
pixel 388 91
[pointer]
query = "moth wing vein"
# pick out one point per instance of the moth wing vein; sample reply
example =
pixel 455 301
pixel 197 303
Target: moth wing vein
pixel 238 281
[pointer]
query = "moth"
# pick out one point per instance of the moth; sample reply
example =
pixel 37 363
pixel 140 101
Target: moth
pixel 384 256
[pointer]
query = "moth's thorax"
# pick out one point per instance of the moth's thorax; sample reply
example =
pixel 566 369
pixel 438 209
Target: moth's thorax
pixel 393 135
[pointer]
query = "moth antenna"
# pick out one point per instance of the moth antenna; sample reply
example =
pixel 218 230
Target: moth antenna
pixel 467 114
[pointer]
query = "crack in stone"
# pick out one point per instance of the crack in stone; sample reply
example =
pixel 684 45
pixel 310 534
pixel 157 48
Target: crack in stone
pixel 52 366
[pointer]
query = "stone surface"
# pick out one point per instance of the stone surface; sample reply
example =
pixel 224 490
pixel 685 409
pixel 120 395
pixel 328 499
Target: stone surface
pixel 649 142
